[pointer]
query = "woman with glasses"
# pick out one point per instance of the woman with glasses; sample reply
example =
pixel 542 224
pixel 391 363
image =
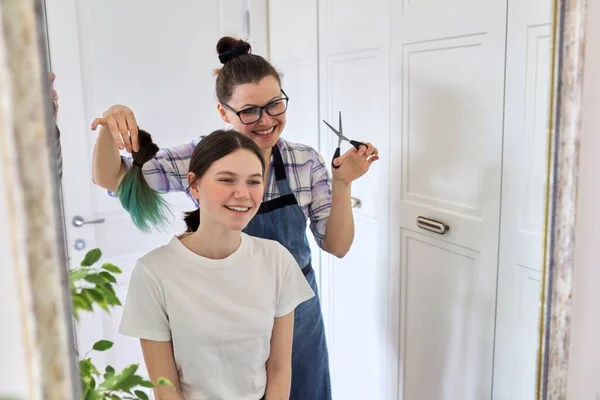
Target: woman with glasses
pixel 298 187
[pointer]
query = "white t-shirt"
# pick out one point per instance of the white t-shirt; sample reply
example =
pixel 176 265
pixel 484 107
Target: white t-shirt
pixel 219 314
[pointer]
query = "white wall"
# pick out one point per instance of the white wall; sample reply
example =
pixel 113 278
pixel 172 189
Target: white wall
pixel 584 363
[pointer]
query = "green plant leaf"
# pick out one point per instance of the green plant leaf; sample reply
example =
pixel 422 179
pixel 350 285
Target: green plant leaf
pixel 91 257
pixel 78 274
pixel 108 276
pixel 109 370
pixel 108 286
pixel 130 382
pixel 87 369
pixel 92 395
pixel 84 367
pixel 147 384
pixel 112 268
pixel 141 395
pixel 164 382
pixel 127 379
pixel 95 278
pixel 80 301
pixel 110 296
pixel 94 295
pixel 103 345
pixel 109 382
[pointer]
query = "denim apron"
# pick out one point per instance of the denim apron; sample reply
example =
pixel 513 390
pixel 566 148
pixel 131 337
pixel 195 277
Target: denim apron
pixel 282 219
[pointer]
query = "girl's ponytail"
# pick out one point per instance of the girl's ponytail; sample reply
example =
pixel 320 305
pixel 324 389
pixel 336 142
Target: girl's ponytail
pixel 192 220
pixel 145 205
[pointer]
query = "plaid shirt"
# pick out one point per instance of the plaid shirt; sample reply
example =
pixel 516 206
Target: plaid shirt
pixel 305 168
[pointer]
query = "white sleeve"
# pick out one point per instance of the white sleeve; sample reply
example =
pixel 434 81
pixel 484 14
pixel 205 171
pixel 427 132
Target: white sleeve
pixel 293 287
pixel 144 313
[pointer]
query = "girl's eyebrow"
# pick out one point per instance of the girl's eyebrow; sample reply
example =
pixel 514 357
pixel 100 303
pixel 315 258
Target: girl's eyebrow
pixel 234 174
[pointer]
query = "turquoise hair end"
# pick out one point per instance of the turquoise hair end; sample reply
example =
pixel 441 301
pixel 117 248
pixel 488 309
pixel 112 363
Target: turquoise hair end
pixel 146 207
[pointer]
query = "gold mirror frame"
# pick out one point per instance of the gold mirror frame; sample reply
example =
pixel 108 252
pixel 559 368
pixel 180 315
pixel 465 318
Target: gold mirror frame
pixel 563 163
pixel 35 212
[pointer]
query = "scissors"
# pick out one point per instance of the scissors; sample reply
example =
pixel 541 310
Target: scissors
pixel 341 137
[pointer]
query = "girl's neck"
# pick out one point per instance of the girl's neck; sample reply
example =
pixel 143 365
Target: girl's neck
pixel 215 243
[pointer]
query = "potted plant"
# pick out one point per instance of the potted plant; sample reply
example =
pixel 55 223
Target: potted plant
pixel 92 284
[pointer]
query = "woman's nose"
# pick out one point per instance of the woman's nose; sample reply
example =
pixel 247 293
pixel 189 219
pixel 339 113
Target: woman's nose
pixel 266 119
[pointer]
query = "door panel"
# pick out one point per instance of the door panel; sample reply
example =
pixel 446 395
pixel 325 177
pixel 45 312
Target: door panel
pixel 447 107
pixel 444 309
pixel 354 79
pixel 293 51
pixel 528 68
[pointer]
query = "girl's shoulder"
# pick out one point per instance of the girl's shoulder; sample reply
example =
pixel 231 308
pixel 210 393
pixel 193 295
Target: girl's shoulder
pixel 267 250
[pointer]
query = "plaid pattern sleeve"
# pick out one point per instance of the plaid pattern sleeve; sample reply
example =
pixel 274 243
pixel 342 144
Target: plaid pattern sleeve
pixel 167 171
pixel 310 182
pixel 320 206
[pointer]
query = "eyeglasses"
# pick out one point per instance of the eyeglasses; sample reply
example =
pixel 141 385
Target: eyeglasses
pixel 254 114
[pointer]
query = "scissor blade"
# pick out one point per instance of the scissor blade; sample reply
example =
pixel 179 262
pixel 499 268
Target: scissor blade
pixel 332 128
pixel 341 133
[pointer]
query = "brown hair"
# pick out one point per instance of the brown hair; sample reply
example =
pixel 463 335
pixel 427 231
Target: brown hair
pixel 240 66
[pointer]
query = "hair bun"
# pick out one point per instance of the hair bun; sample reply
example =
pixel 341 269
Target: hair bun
pixel 229 48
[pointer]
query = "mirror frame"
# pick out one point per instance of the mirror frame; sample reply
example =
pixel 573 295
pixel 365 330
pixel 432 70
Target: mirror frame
pixel 563 163
pixel 33 205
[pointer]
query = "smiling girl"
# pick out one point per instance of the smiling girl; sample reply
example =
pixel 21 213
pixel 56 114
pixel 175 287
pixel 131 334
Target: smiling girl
pixel 214 307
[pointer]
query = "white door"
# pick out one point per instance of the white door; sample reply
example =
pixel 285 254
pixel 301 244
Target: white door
pixel 157 59
pixel 354 79
pixel 293 51
pixel 447 72
pixel 528 67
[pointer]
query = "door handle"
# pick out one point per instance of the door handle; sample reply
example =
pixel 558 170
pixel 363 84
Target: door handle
pixel 432 225
pixel 356 203
pixel 78 221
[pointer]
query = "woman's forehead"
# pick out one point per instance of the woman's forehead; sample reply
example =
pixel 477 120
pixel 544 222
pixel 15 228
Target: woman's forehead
pixel 257 94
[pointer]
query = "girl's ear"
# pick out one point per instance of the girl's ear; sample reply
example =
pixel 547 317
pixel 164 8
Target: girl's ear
pixel 223 113
pixel 193 183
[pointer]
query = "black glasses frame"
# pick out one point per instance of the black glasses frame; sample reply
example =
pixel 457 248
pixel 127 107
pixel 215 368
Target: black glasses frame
pixel 260 112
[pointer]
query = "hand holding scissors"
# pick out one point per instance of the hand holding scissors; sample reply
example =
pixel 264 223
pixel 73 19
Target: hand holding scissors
pixel 341 137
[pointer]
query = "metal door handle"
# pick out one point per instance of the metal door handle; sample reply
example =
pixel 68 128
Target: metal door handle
pixel 356 203
pixel 78 221
pixel 432 225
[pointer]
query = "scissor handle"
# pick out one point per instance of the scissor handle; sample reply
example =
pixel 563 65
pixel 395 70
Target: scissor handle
pixel 357 144
pixel 335 155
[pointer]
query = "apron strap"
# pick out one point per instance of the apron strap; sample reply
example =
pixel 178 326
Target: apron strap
pixel 278 164
pixel 283 184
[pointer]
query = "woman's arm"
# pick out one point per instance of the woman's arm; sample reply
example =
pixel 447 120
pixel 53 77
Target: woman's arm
pixel 118 131
pixel 160 363
pixel 331 215
pixel 279 364
pixel 166 172
pixel 339 232
pixel 107 167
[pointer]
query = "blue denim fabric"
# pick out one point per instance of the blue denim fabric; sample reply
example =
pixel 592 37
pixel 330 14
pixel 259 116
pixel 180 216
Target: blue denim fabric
pixel 287 225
